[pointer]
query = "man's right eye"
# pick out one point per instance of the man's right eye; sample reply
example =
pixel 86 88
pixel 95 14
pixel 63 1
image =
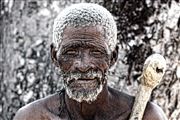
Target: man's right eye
pixel 70 52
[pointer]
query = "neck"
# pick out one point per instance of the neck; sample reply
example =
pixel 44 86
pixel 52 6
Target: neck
pixel 88 110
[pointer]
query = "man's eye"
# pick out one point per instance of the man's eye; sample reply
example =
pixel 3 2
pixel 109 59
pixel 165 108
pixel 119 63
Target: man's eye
pixel 96 53
pixel 71 52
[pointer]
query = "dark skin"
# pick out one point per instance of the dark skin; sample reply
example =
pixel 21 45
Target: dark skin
pixel 83 49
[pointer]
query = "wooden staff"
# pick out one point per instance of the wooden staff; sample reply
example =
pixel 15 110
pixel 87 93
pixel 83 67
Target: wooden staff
pixel 153 71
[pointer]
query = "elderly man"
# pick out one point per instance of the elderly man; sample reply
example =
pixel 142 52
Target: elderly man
pixel 84 48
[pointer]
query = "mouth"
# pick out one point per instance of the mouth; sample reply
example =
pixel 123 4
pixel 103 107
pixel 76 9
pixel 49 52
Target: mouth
pixel 84 84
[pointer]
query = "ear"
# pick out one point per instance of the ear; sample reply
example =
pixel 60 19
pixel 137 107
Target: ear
pixel 114 56
pixel 54 55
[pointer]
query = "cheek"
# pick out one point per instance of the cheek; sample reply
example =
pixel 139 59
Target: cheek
pixel 65 64
pixel 102 64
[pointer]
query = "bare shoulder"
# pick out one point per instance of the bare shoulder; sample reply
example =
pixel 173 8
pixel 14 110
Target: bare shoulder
pixel 154 112
pixel 121 96
pixel 42 109
pixel 27 112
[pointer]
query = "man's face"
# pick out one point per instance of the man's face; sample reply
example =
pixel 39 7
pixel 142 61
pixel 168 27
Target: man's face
pixel 84 60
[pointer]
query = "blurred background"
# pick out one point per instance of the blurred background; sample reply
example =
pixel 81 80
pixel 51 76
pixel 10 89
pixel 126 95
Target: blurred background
pixel 144 27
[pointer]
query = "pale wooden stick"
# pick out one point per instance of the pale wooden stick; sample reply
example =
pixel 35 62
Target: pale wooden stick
pixel 153 71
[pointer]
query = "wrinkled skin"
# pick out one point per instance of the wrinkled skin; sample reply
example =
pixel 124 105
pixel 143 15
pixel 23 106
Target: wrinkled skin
pixel 83 50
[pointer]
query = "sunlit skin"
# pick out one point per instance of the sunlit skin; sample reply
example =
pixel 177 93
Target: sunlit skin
pixel 83 49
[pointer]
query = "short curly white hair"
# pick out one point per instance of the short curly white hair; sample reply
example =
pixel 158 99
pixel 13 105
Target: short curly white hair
pixel 82 15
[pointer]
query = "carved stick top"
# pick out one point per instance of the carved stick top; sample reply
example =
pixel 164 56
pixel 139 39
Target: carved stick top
pixel 153 70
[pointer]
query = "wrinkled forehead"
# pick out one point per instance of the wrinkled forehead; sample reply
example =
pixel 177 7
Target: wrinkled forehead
pixel 92 35
pixel 88 32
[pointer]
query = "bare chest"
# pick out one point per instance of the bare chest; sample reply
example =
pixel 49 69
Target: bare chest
pixel 104 116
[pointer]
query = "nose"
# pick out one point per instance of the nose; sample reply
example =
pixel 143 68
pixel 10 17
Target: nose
pixel 84 64
pixel 81 66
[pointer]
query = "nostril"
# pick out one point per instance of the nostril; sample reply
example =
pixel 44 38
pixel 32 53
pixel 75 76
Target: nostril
pixel 159 70
pixel 83 67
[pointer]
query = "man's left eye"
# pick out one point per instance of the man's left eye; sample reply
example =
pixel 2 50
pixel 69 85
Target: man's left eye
pixel 96 53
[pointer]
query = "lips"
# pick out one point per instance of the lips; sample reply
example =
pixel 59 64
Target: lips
pixel 84 83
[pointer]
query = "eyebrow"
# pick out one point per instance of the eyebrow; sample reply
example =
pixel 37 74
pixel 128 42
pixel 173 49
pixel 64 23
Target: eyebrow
pixel 73 44
pixel 76 44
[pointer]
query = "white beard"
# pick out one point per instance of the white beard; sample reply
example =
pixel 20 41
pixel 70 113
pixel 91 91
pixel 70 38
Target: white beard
pixel 88 96
pixel 85 93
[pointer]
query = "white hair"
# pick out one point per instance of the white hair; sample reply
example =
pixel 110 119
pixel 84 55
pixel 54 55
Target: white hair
pixel 82 15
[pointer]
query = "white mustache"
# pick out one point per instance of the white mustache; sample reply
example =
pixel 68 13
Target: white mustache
pixel 79 75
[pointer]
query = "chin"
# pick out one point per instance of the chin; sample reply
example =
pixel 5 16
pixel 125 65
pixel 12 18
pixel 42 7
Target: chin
pixel 84 95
